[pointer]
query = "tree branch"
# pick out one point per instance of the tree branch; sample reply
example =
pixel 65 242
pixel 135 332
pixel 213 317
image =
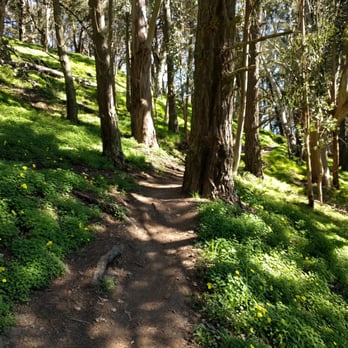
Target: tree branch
pixel 152 23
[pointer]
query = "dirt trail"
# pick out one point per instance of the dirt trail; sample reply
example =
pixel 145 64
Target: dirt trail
pixel 149 306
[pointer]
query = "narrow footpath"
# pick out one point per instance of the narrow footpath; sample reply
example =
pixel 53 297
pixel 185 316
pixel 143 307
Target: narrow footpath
pixel 146 298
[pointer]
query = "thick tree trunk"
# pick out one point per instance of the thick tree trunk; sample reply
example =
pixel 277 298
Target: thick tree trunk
pixel 142 124
pixel 173 125
pixel 209 160
pixel 253 160
pixel 110 133
pixel 71 104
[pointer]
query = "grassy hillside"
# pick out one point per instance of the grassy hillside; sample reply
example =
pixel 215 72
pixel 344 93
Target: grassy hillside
pixel 44 162
pixel 273 275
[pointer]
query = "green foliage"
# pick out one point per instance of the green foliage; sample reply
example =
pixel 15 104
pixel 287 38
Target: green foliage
pixel 274 274
pixel 45 161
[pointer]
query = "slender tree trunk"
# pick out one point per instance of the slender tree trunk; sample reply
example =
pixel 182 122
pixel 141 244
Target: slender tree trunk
pixel 208 170
pixel 142 124
pixel 304 103
pixel 128 62
pixel 341 113
pixel 173 125
pixel 188 88
pixel 243 88
pixel 253 160
pixel 71 104
pixel 343 136
pixel 3 4
pixel 21 20
pixel 316 161
pixel 44 20
pixel 110 133
pixel 285 117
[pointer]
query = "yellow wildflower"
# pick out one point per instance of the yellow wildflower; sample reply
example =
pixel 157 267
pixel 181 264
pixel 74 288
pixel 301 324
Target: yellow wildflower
pixel 269 320
pixel 33 165
pixel 4 280
pixel 24 186
pixel 237 272
pixel 24 167
pixel 2 269
pixel 259 315
pixel 209 286
pixel 21 175
pixel 49 243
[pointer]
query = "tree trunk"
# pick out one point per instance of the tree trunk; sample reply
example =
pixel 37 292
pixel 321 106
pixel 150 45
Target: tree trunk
pixel 71 104
pixel 44 20
pixel 316 162
pixel 237 150
pixel 188 88
pixel 3 4
pixel 253 160
pixel 173 125
pixel 128 62
pixel 208 170
pixel 343 153
pixel 142 124
pixel 110 133
pixel 304 104
pixel 340 115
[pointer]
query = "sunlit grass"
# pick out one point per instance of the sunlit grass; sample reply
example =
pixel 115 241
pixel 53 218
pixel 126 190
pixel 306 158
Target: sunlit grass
pixel 275 276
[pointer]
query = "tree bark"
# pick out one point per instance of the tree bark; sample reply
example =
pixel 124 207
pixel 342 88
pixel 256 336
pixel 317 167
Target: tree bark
pixel 306 119
pixel 343 153
pixel 208 170
pixel 237 150
pixel 3 4
pixel 173 125
pixel 110 133
pixel 340 115
pixel 142 124
pixel 71 104
pixel 252 158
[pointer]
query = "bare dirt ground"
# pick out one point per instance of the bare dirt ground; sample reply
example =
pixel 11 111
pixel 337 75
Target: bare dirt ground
pixel 149 287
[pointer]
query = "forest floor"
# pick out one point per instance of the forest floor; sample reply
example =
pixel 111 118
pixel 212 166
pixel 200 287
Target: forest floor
pixel 146 298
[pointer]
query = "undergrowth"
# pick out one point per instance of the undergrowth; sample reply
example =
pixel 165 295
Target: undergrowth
pixel 48 166
pixel 275 274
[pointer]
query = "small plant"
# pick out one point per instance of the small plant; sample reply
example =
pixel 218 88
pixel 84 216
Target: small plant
pixel 107 284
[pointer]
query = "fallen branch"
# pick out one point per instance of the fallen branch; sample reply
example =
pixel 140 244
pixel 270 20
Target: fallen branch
pixel 105 260
pixel 45 70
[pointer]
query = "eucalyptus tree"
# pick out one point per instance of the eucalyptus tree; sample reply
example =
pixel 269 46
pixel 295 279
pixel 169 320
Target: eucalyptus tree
pixel 208 169
pixel 71 104
pixel 77 25
pixel 252 152
pixel 142 123
pixel 3 4
pixel 101 13
pixel 168 32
